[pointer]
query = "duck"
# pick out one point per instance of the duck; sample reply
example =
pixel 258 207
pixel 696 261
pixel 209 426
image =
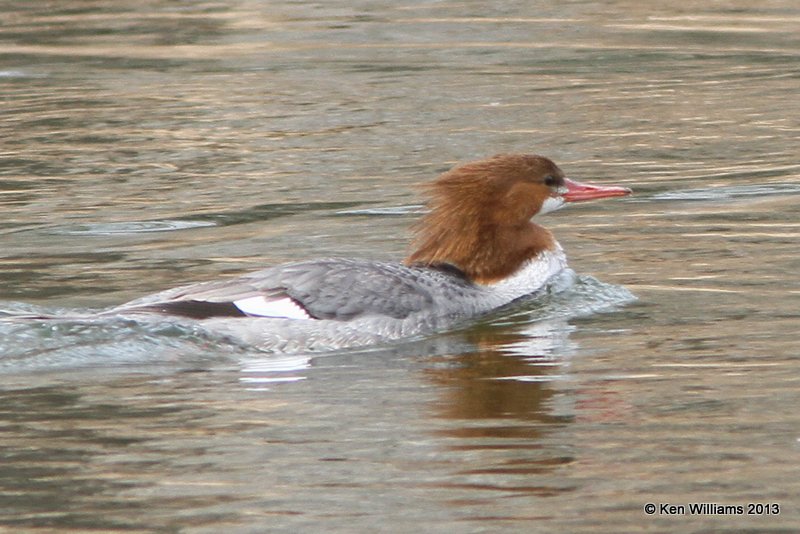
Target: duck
pixel 476 250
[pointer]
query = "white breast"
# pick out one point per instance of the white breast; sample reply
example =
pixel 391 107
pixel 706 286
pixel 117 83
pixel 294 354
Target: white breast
pixel 533 275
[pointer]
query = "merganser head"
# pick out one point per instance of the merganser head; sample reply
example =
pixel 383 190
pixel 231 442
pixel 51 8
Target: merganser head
pixel 480 218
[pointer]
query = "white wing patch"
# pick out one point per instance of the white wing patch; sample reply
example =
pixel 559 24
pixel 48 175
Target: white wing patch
pixel 284 308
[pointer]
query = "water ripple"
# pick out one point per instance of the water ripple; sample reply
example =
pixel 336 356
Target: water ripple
pixel 730 192
pixel 124 228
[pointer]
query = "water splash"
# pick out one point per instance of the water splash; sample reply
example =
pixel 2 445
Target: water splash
pixel 33 345
pixel 568 296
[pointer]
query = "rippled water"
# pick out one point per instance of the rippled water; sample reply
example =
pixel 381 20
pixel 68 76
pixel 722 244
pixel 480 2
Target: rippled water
pixel 159 143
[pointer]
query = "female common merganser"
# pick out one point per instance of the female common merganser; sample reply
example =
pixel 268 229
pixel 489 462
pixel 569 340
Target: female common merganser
pixel 475 251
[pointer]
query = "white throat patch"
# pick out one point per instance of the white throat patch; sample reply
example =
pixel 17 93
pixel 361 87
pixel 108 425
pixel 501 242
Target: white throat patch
pixel 551 204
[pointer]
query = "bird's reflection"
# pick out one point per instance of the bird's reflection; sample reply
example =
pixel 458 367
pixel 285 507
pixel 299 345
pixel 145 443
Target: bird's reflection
pixel 506 381
pixel 498 404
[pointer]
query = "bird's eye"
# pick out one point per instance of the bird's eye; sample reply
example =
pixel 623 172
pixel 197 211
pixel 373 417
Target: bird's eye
pixel 550 180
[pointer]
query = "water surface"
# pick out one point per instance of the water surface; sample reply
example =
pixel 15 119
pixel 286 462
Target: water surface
pixel 160 143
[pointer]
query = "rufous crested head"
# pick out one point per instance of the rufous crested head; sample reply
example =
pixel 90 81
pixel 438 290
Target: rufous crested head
pixel 480 214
